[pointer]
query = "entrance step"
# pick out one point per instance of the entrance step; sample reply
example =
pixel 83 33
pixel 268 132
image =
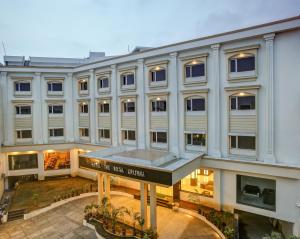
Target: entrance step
pixel 159 201
pixel 15 215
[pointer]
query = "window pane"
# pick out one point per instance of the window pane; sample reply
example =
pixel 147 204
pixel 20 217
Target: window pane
pixel 17 110
pixel 198 104
pixel 124 80
pixel 246 103
pixel 161 137
pixel 131 135
pixel 49 87
pixel 233 142
pixel 104 83
pixel 106 108
pixel 246 64
pixel 17 85
pixel 199 139
pixel 25 110
pixel 130 79
pixel 58 132
pixel 24 86
pixel 161 75
pixel 106 134
pixel 153 106
pixel 188 71
pixel 188 139
pixel 161 105
pixel 57 109
pixel 23 161
pixel 26 134
pixel 233 103
pixel 130 107
pixel 86 132
pixel 232 65
pixel 152 76
pixel 57 86
pixel 188 105
pixel 198 70
pixel 246 142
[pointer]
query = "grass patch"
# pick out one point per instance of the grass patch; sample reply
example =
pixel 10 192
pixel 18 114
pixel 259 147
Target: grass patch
pixel 25 196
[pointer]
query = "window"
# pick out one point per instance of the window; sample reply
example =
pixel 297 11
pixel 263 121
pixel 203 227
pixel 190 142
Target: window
pixel 103 83
pixel 55 86
pixel 240 64
pixel 195 139
pixel 22 86
pixel 159 137
pixel 84 132
pixel 104 133
pixel 129 106
pixel 24 134
pixel 197 104
pixel 22 161
pixel 243 102
pixel 59 132
pixel 84 108
pixel 129 134
pixel 55 109
pixel 201 182
pixel 104 107
pixel 158 75
pixel 127 79
pixel 83 85
pixel 256 192
pixel 23 110
pixel 242 142
pixel 194 70
pixel 159 106
pixel 56 160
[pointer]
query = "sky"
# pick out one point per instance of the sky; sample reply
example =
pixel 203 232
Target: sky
pixel 72 28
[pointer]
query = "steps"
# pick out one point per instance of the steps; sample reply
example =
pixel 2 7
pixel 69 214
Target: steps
pixel 159 201
pixel 15 215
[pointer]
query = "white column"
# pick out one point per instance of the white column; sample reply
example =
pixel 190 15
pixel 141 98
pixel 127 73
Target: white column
pixel 114 106
pixel 216 97
pixel 75 110
pixel 68 108
pixel 37 109
pixel 100 178
pixel 107 186
pixel 41 172
pixel 144 197
pixel 141 130
pixel 44 111
pixel 270 96
pixel 153 216
pixel 74 163
pixel 173 105
pixel 2 105
pixel 92 108
pixel 8 109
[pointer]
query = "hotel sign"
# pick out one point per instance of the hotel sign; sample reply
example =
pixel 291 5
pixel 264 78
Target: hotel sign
pixel 145 174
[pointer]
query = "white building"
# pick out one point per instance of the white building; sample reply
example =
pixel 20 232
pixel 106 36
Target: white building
pixel 232 96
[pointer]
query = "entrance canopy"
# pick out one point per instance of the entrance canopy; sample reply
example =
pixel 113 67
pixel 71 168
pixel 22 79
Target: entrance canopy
pixel 151 166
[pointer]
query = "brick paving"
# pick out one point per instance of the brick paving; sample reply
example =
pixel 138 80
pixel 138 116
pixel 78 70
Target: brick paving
pixel 66 222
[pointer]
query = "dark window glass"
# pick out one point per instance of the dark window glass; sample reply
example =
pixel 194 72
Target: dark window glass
pixel 103 83
pixel 161 137
pixel 161 75
pixel 198 70
pixel 232 65
pixel 57 87
pixel 26 134
pixel 58 109
pixel 25 110
pixel 188 105
pixel 128 79
pixel 246 64
pixel 233 142
pixel 153 106
pixel 198 104
pixel 104 108
pixel 199 139
pixel 49 87
pixel 106 133
pixel 85 132
pixel 24 86
pixel 161 105
pixel 188 71
pixel 153 136
pixel 83 85
pixel 233 103
pixel 246 103
pixel 59 132
pixel 129 107
pixel 131 135
pixel 22 161
pixel 188 139
pixel 84 109
pixel 246 142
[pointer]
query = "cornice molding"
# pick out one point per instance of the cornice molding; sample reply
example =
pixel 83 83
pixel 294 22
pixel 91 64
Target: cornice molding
pixel 242 87
pixel 242 48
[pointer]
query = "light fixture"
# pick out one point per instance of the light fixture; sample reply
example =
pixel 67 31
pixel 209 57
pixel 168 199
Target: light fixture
pixel 128 100
pixel 157 68
pixel 83 81
pixel 50 151
pixel 104 102
pixel 242 94
pixel 194 62
pixel 242 55
pixel 157 98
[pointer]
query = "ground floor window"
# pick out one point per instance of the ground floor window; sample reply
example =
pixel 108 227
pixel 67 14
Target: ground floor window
pixel 200 181
pixel 84 132
pixel 128 136
pixel 57 132
pixel 242 142
pixel 57 160
pixel 22 161
pixel 159 137
pixel 104 134
pixel 257 192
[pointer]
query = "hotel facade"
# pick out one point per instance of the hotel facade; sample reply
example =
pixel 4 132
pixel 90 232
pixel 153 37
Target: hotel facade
pixel 232 101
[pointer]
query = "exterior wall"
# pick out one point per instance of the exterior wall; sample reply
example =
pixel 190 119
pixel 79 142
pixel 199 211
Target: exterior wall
pixel 275 123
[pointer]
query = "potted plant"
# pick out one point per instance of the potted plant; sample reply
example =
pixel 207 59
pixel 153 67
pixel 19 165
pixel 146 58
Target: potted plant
pixel 229 232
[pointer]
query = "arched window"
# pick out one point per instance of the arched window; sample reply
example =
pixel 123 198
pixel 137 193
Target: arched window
pixel 195 103
pixel 194 69
pixel 242 101
pixel 158 74
pixel 242 62
pixel 127 79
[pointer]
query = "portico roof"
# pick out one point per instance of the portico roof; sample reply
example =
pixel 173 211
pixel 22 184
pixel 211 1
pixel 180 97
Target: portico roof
pixel 154 166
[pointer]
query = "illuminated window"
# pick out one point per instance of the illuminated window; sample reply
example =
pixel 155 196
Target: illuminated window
pixel 56 160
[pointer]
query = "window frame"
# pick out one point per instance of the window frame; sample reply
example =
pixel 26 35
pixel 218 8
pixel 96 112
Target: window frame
pixel 51 112
pixel 194 147
pixel 191 100
pixel 84 130
pixel 82 90
pixel 239 151
pixel 52 92
pixel 102 108
pixel 52 134
pixel 154 139
pixel 83 107
pixel 125 137
pixel 125 107
pixel 19 115
pixel 22 139
pixel 101 133
pixel 189 61
pixel 101 79
pixel 19 91
pixel 155 101
pixel 125 75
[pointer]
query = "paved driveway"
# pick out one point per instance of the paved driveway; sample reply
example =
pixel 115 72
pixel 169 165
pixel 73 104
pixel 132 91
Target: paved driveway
pixel 66 222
